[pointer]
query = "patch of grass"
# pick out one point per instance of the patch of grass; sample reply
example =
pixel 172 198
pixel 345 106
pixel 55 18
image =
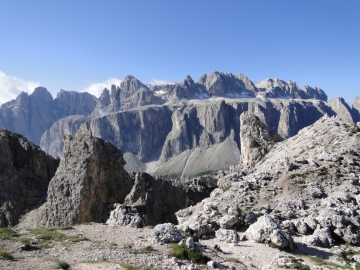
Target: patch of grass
pixel 281 163
pixel 26 242
pixel 149 226
pixel 113 245
pixel 47 235
pixel 320 261
pixel 7 234
pixel 62 264
pixel 273 245
pixel 181 252
pixel 226 188
pixel 94 261
pixel 6 255
pixel 298 265
pixel 147 249
pixel 65 228
pixel 128 266
pixel 129 248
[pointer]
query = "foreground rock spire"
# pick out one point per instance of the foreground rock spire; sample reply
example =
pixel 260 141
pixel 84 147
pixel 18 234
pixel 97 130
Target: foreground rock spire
pixel 90 174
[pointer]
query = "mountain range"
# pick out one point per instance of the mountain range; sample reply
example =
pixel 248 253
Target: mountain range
pixel 176 130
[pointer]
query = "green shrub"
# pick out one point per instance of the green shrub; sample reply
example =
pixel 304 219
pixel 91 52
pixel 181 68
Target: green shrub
pixel 147 249
pixel 26 242
pixel 181 252
pixel 62 264
pixel 6 255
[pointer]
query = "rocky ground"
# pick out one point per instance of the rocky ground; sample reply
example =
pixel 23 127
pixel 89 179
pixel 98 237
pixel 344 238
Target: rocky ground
pixel 123 247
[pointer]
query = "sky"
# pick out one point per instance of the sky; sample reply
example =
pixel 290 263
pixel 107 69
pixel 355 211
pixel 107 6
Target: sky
pixel 86 45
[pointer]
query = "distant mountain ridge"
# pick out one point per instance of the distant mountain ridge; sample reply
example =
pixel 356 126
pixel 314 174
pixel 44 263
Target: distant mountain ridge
pixel 179 129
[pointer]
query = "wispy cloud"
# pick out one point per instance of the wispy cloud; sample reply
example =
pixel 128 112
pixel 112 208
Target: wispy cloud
pixel 11 87
pixel 159 82
pixel 97 88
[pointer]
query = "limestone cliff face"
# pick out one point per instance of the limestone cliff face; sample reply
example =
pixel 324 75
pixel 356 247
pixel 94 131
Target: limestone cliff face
pixel 191 138
pixel 342 109
pixel 25 173
pixel 91 172
pixel 141 132
pixel 30 115
pixel 52 141
pixel 74 103
pixel 356 109
pixel 255 139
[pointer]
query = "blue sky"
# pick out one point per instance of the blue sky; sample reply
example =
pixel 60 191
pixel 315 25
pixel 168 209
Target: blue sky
pixel 77 45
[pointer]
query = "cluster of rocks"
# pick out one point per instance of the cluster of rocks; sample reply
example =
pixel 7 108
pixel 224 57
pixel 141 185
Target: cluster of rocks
pixel 306 186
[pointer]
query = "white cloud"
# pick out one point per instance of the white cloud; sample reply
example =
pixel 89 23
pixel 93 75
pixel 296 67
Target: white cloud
pixel 159 82
pixel 97 88
pixel 11 87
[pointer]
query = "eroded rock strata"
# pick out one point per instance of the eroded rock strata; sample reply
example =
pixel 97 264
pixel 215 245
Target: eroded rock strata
pixel 25 173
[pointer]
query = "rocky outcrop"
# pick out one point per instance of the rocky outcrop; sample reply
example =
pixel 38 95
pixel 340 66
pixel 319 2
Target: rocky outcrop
pixel 255 139
pixel 30 115
pixel 308 183
pixel 342 109
pixel 90 174
pixel 25 173
pixel 149 195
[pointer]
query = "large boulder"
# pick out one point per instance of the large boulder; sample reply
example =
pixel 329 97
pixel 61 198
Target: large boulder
pixel 267 230
pixel 166 233
pixel 90 174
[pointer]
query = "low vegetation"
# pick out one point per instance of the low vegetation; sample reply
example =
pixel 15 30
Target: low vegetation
pixel 62 264
pixel 7 234
pixel 129 248
pixel 227 188
pixel 296 263
pixel 128 266
pixel 6 255
pixel 181 252
pixel 331 265
pixel 49 235
pixel 26 242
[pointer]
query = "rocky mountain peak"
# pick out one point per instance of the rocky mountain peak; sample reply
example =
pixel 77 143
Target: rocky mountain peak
pixel 91 172
pixel 131 84
pixel 341 108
